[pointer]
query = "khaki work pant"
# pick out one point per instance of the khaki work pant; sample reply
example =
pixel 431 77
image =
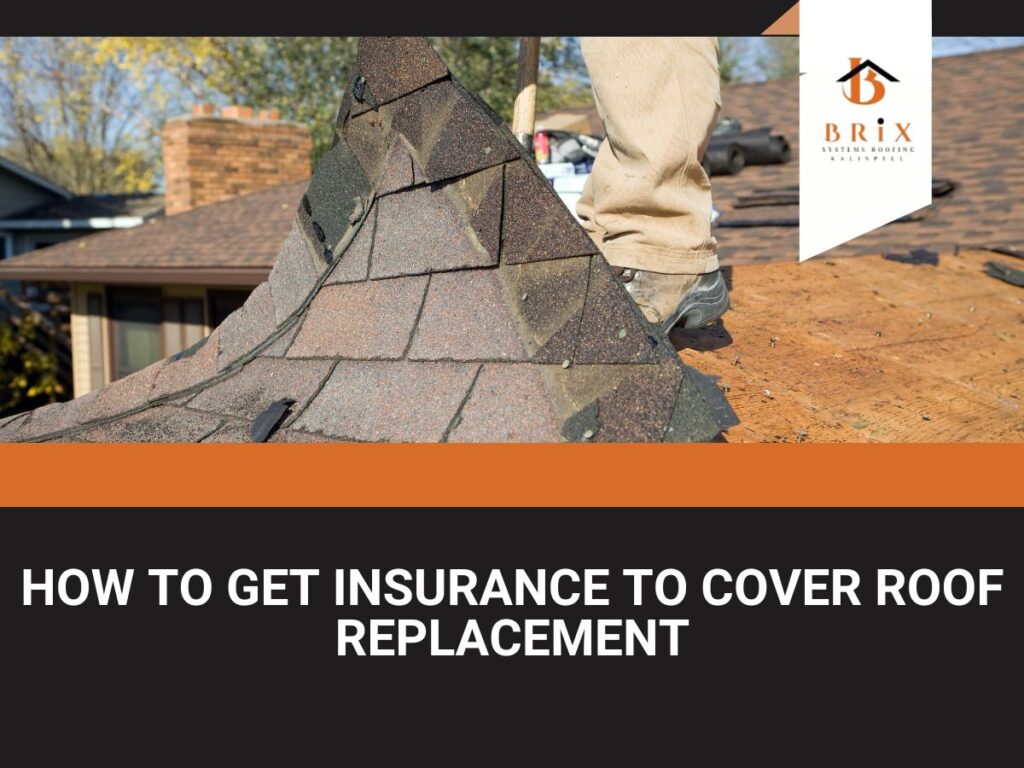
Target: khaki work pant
pixel 647 203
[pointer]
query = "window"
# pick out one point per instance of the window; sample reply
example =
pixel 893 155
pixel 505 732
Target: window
pixel 135 319
pixel 183 323
pixel 223 303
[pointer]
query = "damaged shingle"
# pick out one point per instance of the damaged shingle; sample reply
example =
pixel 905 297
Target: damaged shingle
pixel 333 192
pixel 268 421
pixel 425 230
pixel 457 300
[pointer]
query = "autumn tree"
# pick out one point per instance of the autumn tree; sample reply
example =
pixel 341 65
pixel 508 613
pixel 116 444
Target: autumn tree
pixel 34 356
pixel 73 118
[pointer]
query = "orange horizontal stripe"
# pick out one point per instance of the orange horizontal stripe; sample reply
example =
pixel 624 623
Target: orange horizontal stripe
pixel 510 475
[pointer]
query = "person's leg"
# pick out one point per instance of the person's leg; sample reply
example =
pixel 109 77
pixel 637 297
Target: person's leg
pixel 648 202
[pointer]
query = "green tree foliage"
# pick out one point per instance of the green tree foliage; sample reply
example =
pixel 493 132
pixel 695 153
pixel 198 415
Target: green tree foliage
pixel 731 52
pixel 780 57
pixel 28 372
pixel 305 77
pixel 488 66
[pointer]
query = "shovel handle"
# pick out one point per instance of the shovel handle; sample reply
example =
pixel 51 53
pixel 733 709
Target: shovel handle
pixel 525 113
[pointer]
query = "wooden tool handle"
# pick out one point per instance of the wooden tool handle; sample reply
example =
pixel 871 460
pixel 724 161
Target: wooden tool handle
pixel 525 112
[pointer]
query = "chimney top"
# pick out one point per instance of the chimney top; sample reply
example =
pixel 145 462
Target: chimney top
pixel 210 157
pixel 237 112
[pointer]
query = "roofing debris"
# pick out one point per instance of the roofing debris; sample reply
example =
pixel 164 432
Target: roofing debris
pixel 1005 272
pixel 732 149
pixel 789 195
pixel 432 288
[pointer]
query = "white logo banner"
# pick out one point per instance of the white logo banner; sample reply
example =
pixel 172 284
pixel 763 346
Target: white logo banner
pixel 865 117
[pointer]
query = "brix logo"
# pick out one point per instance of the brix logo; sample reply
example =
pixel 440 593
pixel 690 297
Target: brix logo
pixel 861 73
pixel 864 85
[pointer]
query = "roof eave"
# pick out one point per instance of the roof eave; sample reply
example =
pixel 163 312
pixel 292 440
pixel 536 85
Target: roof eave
pixel 216 276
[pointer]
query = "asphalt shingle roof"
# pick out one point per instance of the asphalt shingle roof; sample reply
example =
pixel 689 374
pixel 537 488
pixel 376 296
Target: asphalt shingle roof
pixel 432 288
pixel 142 205
pixel 245 231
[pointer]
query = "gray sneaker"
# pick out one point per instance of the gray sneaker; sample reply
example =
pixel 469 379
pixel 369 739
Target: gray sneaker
pixel 688 301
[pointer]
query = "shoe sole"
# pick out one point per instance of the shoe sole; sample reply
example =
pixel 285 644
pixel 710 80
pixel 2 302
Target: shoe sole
pixel 707 301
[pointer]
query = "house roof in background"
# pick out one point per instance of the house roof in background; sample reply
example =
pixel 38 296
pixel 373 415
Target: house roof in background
pixel 231 242
pixel 578 119
pixel 82 208
pixel 12 167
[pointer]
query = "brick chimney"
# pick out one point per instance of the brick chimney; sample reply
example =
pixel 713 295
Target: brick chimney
pixel 209 157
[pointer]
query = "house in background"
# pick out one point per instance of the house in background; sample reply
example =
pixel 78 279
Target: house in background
pixel 36 213
pixel 233 183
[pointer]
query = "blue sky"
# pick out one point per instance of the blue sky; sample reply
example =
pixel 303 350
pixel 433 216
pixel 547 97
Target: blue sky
pixel 941 46
pixel 951 46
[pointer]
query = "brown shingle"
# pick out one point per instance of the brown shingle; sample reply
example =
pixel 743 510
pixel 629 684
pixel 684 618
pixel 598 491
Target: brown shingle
pixel 397 172
pixel 164 424
pixel 509 403
pixel 613 330
pixel 467 316
pixel 124 394
pixel 293 276
pixel 549 297
pixel 248 393
pixel 354 264
pixel 188 371
pixel 247 326
pixel 395 66
pixel 395 401
pixel 426 232
pixel 364 321
pixel 537 226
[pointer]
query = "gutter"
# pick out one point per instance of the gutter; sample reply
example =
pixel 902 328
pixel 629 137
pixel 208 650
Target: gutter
pixel 100 222
pixel 244 277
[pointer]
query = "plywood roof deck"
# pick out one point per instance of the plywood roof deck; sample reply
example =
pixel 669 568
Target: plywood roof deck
pixel 870 349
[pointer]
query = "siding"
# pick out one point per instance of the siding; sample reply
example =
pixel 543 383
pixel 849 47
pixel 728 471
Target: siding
pixel 80 348
pixel 17 194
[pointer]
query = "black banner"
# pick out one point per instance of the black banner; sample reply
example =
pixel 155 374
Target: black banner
pixel 188 17
pixel 932 681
